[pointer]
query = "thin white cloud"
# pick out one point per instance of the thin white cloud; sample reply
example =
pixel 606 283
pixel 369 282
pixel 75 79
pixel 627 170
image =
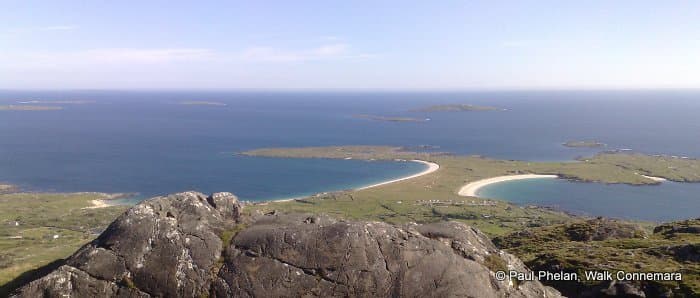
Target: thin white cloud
pixel 331 50
pixel 335 51
pixel 125 57
pixel 24 30
pixel 332 38
pixel 148 55
pixel 516 43
pixel 59 28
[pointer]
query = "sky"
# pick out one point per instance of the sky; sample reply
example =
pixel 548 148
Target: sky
pixel 357 45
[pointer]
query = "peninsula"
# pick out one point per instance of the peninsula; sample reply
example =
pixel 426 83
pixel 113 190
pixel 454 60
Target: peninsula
pixel 472 188
pixel 542 237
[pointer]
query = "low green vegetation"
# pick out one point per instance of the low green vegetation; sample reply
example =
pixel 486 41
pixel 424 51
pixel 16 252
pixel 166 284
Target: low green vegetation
pixel 37 229
pixel 599 244
pixel 603 168
pixel 434 197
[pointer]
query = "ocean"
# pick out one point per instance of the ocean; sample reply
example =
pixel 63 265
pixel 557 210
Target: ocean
pixel 145 142
pixel 658 203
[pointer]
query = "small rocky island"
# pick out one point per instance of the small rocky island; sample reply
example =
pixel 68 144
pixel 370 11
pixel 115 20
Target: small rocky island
pixel 66 102
pixel 202 103
pixel 584 144
pixel 391 119
pixel 29 108
pixel 457 108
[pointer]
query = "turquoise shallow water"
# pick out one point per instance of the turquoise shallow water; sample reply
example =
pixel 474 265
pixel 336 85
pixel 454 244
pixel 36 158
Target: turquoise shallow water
pixel 664 202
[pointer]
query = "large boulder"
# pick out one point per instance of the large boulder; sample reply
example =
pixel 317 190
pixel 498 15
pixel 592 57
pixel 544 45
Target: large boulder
pixel 164 246
pixel 191 245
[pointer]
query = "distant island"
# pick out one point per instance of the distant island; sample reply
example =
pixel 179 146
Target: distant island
pixel 66 102
pixel 584 144
pixel 28 108
pixel 457 108
pixel 202 103
pixel 391 119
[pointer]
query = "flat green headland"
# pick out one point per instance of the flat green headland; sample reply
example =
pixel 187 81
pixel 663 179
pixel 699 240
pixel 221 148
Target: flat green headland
pixel 410 200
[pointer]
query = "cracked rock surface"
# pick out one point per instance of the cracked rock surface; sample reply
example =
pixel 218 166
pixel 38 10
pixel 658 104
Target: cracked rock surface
pixel 172 247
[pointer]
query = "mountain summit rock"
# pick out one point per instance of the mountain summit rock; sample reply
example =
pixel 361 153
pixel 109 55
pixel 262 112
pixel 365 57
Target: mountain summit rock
pixel 193 245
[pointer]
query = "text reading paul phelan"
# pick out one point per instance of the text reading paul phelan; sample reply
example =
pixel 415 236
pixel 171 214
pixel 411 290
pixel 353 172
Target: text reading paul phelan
pixel 589 276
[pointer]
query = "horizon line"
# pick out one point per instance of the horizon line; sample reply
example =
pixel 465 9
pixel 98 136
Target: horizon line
pixel 322 90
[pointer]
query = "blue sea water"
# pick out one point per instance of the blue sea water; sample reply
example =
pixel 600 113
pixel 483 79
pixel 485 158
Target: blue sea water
pixel 664 202
pixel 144 142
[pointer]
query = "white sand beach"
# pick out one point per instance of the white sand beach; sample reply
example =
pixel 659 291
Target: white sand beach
pixel 432 167
pixel 98 204
pixel 470 189
pixel 657 179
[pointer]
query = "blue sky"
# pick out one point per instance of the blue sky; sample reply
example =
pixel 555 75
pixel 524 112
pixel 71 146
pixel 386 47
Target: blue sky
pixel 392 45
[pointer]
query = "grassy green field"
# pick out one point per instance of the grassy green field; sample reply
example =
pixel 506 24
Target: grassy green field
pixel 37 229
pixel 410 200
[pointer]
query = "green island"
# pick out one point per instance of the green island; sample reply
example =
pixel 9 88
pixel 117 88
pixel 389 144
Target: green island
pixel 545 239
pixel 390 119
pixel 202 103
pixel 457 108
pixel 66 102
pixel 28 108
pixel 584 144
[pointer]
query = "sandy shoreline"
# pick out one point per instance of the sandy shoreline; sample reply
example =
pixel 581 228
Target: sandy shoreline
pixel 470 189
pixel 98 204
pixel 103 202
pixel 657 179
pixel 432 167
